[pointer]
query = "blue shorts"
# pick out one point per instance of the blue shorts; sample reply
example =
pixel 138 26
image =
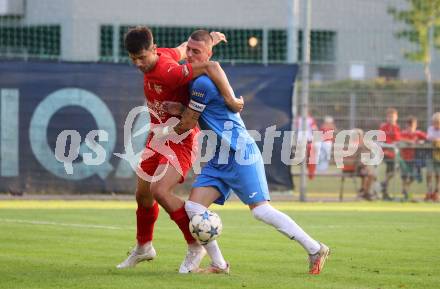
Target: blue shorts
pixel 248 181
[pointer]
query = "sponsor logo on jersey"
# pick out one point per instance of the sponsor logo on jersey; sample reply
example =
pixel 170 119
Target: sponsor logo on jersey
pixel 197 93
pixel 251 196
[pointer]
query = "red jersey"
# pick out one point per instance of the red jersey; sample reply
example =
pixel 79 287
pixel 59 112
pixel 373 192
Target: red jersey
pixel 409 153
pixel 392 133
pixel 328 134
pixel 167 81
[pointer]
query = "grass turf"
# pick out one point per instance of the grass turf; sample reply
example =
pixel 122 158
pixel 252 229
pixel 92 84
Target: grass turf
pixel 76 244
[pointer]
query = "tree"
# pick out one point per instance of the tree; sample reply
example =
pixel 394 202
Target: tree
pixel 422 21
pixel 419 19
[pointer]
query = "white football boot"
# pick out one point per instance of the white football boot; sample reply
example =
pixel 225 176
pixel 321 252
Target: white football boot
pixel 194 256
pixel 137 255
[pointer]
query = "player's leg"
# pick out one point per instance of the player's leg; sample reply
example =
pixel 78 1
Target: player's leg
pixel 199 201
pixel 429 174
pixel 251 187
pixel 413 175
pixel 368 185
pixel 390 170
pixel 364 185
pixel 367 180
pixel 318 252
pixel 435 196
pixel 146 215
pixel 405 187
pixel 162 191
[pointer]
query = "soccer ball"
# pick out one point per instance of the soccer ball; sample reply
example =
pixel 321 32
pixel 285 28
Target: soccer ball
pixel 205 227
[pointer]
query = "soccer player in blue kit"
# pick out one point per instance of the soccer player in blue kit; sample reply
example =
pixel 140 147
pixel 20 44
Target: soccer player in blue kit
pixel 237 163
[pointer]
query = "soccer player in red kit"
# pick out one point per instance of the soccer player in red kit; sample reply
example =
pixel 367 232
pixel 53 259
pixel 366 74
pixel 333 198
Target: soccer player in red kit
pixel 164 81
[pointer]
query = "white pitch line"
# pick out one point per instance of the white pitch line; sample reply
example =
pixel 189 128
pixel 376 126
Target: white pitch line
pixel 60 224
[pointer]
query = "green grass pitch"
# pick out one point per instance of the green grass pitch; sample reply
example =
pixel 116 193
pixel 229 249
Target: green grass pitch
pixel 76 244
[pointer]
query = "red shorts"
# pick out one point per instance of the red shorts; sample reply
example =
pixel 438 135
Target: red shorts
pixel 181 157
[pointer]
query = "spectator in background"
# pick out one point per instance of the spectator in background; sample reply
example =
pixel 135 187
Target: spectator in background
pixel 410 168
pixel 434 163
pixel 310 127
pixel 328 128
pixel 353 165
pixel 392 132
pixel 308 135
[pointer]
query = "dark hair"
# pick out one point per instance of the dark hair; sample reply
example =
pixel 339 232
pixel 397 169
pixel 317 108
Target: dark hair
pixel 138 38
pixel 411 119
pixel 202 35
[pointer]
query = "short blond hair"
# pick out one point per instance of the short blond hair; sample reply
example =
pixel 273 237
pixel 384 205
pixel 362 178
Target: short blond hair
pixel 436 116
pixel 391 110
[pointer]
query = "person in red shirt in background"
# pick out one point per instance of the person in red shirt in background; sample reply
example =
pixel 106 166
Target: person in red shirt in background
pixel 410 170
pixel 392 132
pixel 311 126
pixel 353 165
pixel 328 128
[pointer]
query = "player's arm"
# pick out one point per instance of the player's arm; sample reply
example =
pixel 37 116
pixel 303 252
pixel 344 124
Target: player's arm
pixel 218 76
pixel 182 50
pixel 188 121
pixel 201 94
pixel 405 139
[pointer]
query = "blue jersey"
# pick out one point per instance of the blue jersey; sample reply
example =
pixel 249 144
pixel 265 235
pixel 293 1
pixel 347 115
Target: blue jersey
pixel 247 181
pixel 215 115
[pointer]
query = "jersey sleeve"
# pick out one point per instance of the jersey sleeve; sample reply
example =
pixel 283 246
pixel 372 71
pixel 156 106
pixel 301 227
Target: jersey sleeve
pixel 175 75
pixel 171 52
pixel 421 135
pixel 201 94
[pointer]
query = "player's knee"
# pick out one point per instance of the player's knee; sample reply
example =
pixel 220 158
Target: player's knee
pixel 159 191
pixel 144 197
pixel 144 200
pixel 259 212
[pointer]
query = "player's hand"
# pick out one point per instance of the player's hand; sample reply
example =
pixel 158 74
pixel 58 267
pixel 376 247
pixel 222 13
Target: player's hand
pixel 236 105
pixel 218 37
pixel 173 108
pixel 165 132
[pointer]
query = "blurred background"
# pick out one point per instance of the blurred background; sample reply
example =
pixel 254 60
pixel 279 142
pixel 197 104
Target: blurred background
pixel 361 57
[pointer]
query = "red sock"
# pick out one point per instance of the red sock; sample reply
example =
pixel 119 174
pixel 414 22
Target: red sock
pixel 181 219
pixel 311 165
pixel 145 223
